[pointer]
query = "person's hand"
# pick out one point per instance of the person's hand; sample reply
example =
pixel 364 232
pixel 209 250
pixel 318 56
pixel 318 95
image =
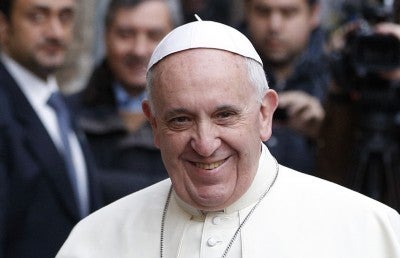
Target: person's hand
pixel 388 28
pixel 337 39
pixel 305 112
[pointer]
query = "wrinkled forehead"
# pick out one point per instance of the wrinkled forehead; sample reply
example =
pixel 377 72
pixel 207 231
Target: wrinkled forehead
pixel 44 6
pixel 203 64
pixel 200 57
pixel 201 71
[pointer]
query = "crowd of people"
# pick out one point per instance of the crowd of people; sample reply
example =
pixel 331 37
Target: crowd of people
pixel 194 136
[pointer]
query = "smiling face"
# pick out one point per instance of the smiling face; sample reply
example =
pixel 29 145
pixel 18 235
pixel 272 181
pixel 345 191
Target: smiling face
pixel 38 33
pixel 208 125
pixel 131 38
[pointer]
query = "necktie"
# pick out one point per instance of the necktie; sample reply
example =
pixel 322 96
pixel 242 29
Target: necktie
pixel 56 101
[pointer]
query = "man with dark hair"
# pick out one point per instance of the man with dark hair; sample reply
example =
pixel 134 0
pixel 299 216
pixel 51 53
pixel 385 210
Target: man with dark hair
pixel 46 177
pixel 288 38
pixel 110 112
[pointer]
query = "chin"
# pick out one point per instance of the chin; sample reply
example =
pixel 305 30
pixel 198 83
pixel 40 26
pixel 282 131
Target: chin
pixel 210 199
pixel 50 67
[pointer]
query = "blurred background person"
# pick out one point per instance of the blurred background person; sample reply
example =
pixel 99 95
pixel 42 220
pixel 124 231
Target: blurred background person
pixel 288 37
pixel 110 105
pixel 46 175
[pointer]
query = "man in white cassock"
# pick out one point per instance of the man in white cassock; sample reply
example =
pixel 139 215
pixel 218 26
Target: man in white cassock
pixel 211 109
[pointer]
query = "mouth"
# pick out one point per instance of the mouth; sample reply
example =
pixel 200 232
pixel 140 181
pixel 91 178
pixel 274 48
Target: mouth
pixel 52 46
pixel 273 44
pixel 135 68
pixel 209 166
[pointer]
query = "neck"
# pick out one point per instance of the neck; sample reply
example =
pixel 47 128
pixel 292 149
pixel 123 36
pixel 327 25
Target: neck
pixel 133 90
pixel 38 70
pixel 282 73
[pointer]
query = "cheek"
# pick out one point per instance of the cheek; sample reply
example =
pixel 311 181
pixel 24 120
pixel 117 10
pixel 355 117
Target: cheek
pixel 299 34
pixel 117 47
pixel 68 32
pixel 258 28
pixel 26 39
pixel 172 144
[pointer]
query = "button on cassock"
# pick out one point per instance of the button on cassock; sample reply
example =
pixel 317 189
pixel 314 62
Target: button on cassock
pixel 216 220
pixel 212 241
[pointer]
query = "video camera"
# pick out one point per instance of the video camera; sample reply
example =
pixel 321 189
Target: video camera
pixel 357 70
pixel 365 52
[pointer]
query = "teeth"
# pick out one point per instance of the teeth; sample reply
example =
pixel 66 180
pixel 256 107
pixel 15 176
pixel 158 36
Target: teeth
pixel 209 166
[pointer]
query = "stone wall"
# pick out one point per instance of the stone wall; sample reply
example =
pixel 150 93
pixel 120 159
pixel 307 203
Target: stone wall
pixel 80 58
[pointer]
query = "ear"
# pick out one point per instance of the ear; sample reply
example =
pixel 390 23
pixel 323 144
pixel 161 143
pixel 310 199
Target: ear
pixel 268 106
pixel 315 15
pixel 152 120
pixel 247 9
pixel 4 27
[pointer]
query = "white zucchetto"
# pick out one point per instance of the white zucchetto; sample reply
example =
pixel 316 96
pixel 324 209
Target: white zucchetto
pixel 204 34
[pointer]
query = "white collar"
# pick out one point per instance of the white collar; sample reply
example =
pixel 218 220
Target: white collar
pixel 35 89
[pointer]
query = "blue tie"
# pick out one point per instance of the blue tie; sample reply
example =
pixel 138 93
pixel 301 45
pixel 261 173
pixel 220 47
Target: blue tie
pixel 56 101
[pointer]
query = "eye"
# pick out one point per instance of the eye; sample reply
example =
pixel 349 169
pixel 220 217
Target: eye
pixel 125 33
pixel 262 11
pixel 225 114
pixel 289 12
pixel 156 34
pixel 37 16
pixel 67 16
pixel 179 123
pixel 226 117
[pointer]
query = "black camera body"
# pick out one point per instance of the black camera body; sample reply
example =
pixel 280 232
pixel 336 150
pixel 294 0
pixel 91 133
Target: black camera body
pixel 356 70
pixel 371 52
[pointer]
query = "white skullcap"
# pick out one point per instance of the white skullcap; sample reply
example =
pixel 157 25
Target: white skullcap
pixel 204 34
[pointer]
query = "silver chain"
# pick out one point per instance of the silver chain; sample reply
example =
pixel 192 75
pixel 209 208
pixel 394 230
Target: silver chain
pixel 164 215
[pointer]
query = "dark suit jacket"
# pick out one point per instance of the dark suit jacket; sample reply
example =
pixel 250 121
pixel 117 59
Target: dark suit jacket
pixel 37 211
pixel 128 161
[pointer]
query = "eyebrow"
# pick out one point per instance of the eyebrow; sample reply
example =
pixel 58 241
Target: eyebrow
pixel 175 112
pixel 46 8
pixel 227 107
pixel 178 111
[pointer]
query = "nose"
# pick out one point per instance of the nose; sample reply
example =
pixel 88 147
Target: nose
pixel 141 46
pixel 55 29
pixel 206 140
pixel 275 21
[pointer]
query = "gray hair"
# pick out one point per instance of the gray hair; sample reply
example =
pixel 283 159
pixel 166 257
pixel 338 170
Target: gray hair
pixel 255 72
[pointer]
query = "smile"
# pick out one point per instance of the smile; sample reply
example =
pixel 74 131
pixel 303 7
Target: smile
pixel 209 166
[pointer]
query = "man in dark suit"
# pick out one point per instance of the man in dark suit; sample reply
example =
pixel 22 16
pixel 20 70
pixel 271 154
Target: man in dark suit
pixel 46 177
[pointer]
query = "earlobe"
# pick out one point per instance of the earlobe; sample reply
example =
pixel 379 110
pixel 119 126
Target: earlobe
pixel 148 113
pixel 3 28
pixel 268 106
pixel 150 117
pixel 315 16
